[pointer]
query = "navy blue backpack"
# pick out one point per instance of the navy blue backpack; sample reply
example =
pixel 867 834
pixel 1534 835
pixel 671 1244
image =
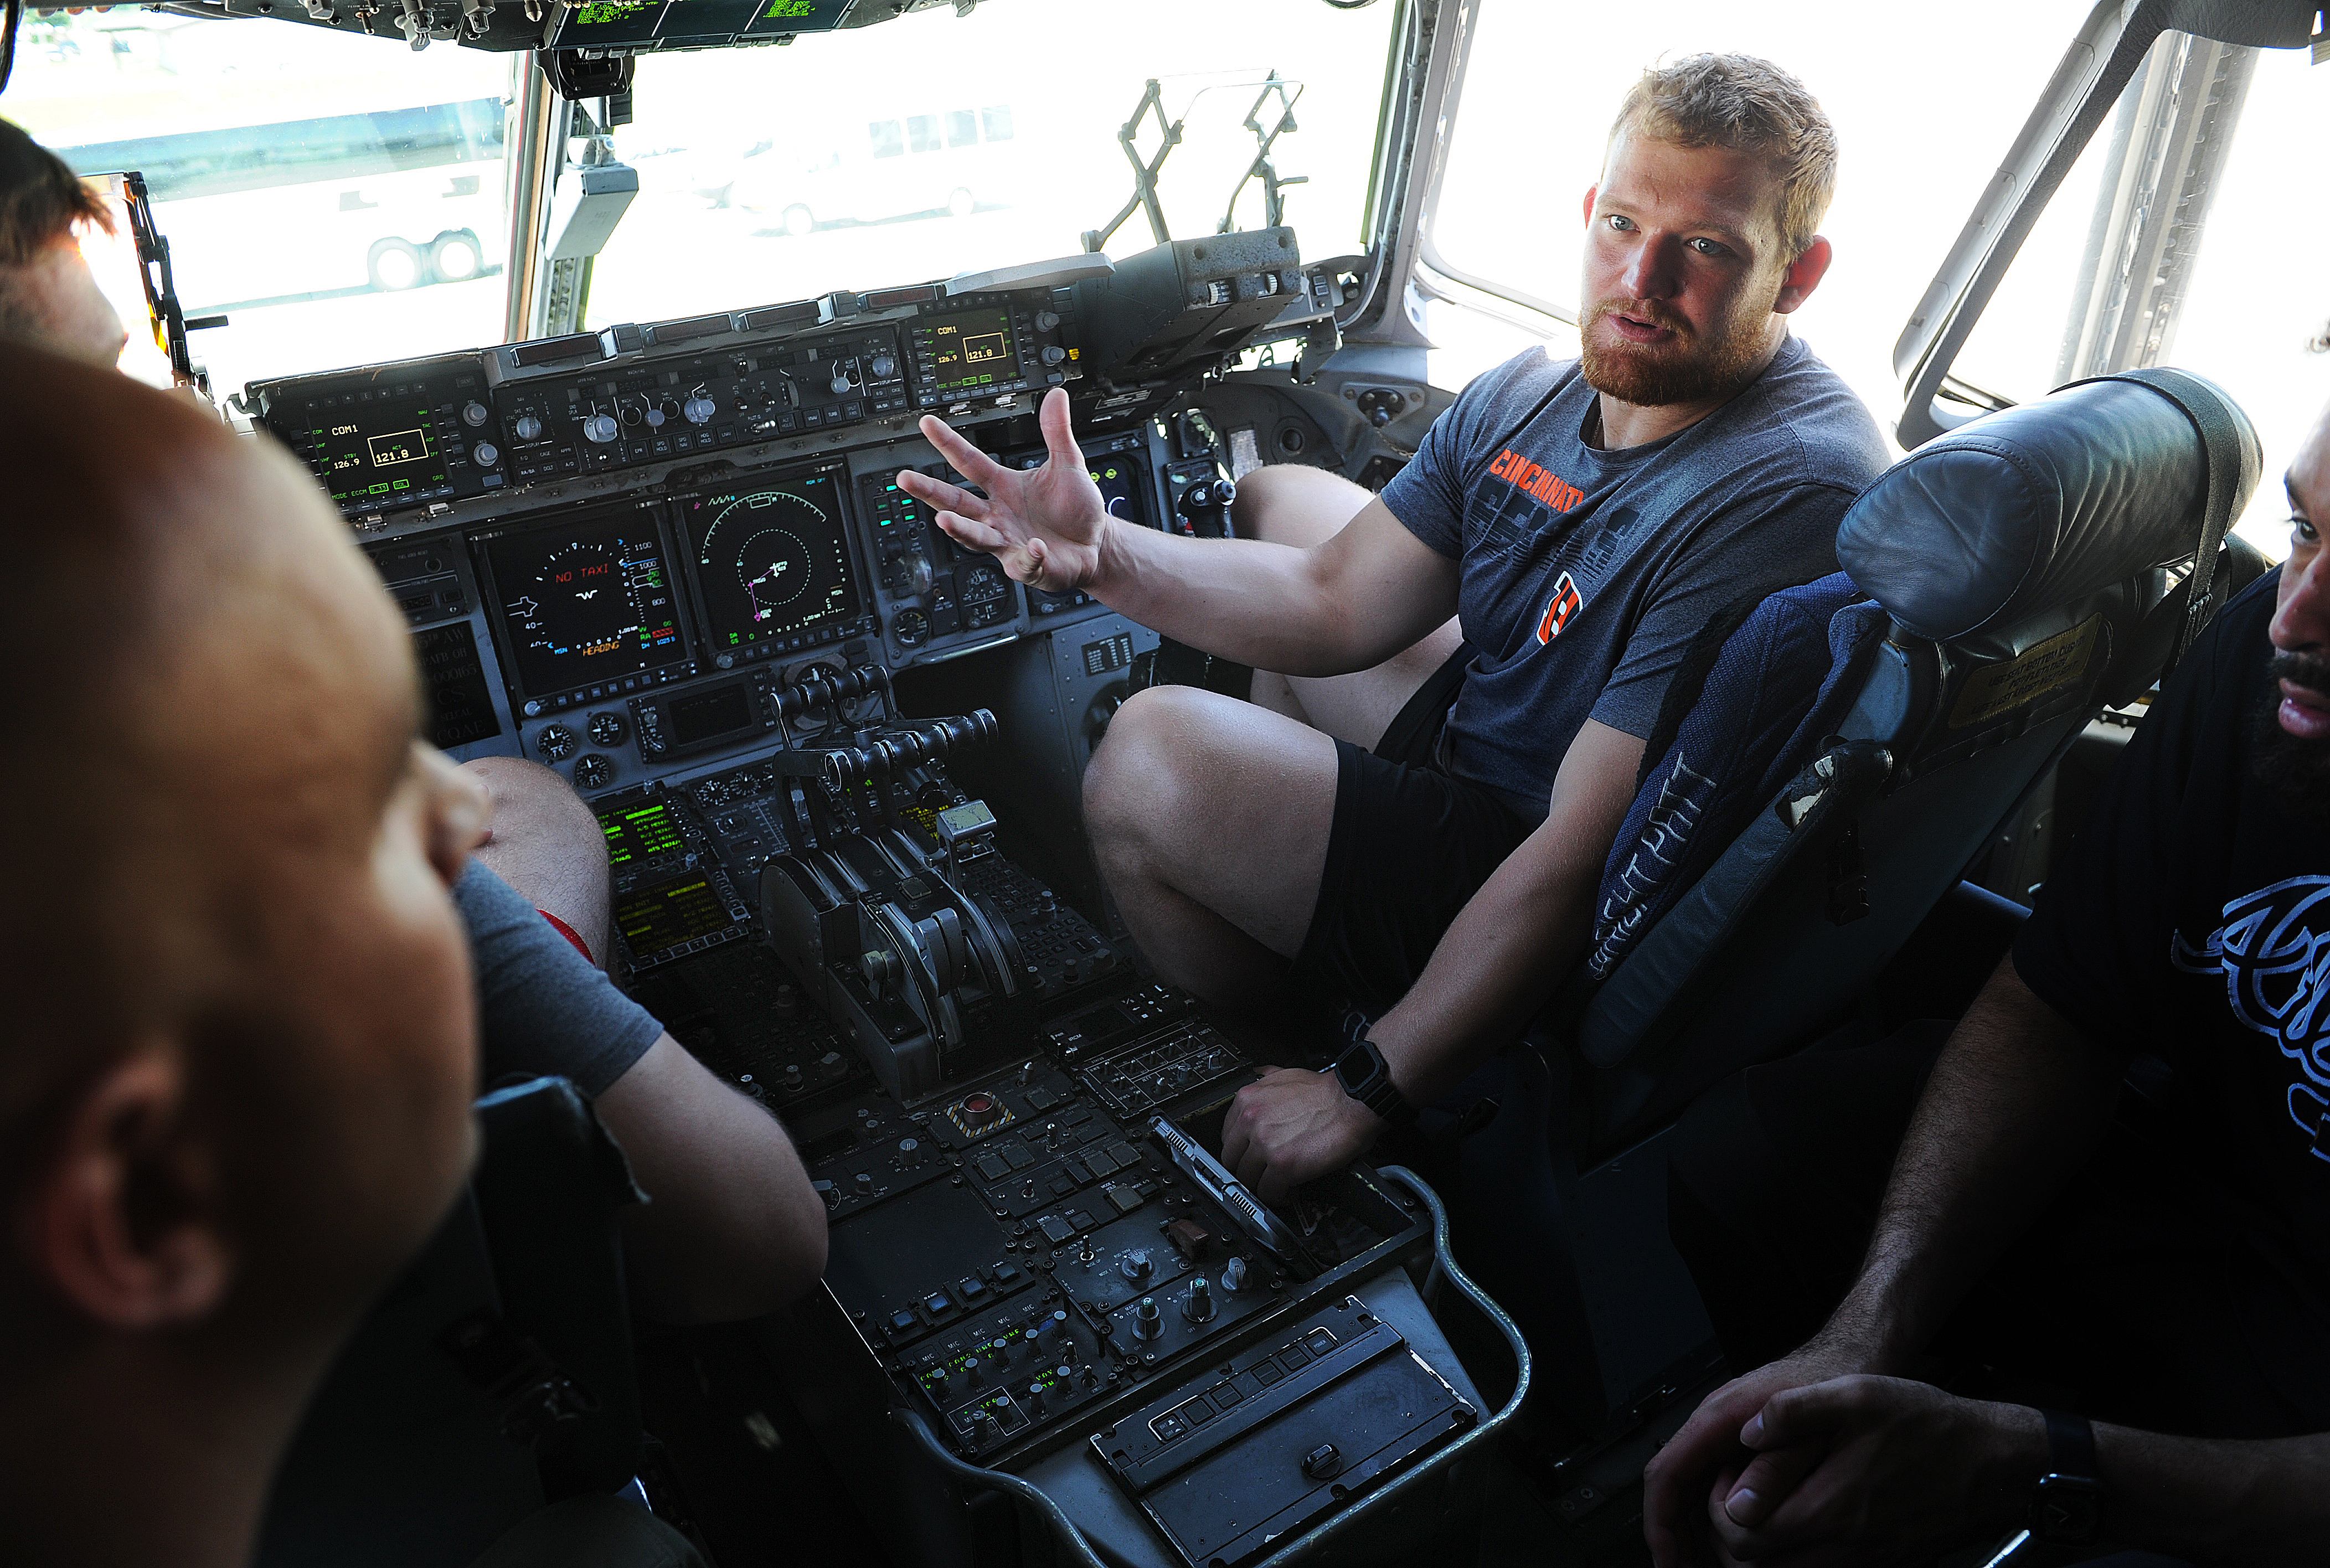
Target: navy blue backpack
pixel 1759 692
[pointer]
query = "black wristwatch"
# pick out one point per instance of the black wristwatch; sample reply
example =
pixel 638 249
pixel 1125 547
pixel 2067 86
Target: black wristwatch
pixel 2069 1502
pixel 1365 1077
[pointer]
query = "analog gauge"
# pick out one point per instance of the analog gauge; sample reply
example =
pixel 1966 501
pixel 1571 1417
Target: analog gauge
pixel 592 771
pixel 554 742
pixel 912 627
pixel 979 584
pixel 607 729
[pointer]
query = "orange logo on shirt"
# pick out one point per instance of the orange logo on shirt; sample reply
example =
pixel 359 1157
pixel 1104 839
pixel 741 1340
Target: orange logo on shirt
pixel 1565 604
pixel 1535 480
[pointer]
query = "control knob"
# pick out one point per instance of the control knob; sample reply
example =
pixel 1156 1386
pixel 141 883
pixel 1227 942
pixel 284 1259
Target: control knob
pixel 654 415
pixel 1052 1332
pixel 842 383
pixel 601 428
pixel 528 428
pixel 1046 320
pixel 1200 1307
pixel 917 574
pixel 1233 1274
pixel 882 367
pixel 487 455
pixel 1052 354
pixel 864 1182
pixel 1148 1322
pixel 556 742
pixel 473 414
pixel 699 410
pixel 1034 1404
pixel 1136 1267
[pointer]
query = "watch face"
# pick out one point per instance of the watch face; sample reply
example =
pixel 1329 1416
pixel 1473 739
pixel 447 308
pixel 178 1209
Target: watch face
pixel 2067 1508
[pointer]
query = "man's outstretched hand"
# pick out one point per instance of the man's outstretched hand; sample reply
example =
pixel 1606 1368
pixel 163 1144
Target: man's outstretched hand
pixel 1291 1125
pixel 1045 526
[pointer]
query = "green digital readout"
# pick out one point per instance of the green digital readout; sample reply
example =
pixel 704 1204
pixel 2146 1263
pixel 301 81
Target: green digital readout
pixel 670 913
pixel 639 833
pixel 380 448
pixel 971 349
pixel 601 23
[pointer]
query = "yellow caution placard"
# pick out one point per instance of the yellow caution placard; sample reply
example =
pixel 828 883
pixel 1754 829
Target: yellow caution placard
pixel 2039 669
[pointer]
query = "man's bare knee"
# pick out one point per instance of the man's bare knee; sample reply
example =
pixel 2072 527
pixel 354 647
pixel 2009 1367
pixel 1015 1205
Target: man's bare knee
pixel 1136 774
pixel 1296 504
pixel 547 845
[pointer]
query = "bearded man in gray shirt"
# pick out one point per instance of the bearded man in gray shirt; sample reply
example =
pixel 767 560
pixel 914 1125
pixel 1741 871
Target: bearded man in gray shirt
pixel 1582 520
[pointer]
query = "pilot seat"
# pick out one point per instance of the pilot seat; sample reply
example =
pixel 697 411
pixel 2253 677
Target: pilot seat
pixel 1826 775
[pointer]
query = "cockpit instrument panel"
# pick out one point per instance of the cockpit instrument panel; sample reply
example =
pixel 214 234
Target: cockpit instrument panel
pixel 635 24
pixel 771 564
pixel 983 345
pixel 393 436
pixel 586 605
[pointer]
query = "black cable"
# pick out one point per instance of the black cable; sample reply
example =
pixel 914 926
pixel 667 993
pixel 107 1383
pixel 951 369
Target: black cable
pixel 14 24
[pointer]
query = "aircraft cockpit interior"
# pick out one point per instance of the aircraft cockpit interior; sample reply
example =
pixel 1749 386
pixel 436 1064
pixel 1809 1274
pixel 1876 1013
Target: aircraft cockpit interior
pixel 613 332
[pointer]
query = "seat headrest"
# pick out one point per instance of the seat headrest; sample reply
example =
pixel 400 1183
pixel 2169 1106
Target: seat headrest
pixel 2041 503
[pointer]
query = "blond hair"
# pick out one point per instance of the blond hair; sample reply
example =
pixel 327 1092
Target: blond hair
pixel 1749 105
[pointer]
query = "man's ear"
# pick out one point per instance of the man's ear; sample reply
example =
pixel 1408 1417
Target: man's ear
pixel 1586 212
pixel 1804 274
pixel 121 1217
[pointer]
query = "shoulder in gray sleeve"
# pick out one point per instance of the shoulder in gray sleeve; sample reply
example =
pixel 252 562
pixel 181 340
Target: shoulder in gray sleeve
pixel 542 1008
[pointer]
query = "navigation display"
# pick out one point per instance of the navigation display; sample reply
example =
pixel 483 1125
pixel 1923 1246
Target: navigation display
pixel 770 561
pixel 968 349
pixel 585 601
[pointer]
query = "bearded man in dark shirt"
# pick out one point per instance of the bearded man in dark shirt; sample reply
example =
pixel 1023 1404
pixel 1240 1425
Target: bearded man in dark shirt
pixel 2167 1273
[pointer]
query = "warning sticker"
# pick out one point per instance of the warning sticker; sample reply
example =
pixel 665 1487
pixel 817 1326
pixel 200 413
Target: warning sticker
pixel 2043 667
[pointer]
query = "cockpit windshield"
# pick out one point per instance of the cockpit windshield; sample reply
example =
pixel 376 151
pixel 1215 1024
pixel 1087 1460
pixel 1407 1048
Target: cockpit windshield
pixel 338 200
pixel 342 200
pixel 936 144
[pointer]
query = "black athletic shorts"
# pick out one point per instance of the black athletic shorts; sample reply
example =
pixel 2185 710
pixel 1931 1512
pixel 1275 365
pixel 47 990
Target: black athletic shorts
pixel 1410 847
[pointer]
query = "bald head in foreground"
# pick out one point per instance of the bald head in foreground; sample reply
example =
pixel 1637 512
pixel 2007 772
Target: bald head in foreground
pixel 235 1081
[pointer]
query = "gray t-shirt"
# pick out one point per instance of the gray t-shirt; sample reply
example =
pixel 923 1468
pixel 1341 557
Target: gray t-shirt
pixel 542 1008
pixel 1586 573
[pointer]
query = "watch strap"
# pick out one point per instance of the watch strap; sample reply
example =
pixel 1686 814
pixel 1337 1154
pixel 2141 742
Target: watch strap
pixel 2070 1444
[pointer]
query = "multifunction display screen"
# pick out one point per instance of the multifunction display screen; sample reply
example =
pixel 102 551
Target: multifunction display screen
pixel 770 561
pixel 1122 486
pixel 376 445
pixel 670 913
pixel 968 349
pixel 460 704
pixel 585 601
pixel 640 832
pixel 598 23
